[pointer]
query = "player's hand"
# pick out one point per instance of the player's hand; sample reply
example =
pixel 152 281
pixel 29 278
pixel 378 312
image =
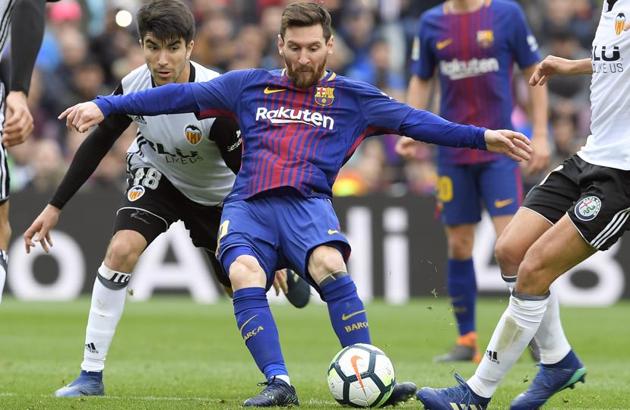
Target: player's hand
pixel 39 231
pixel 540 157
pixel 551 65
pixel 19 121
pixel 82 116
pixel 406 147
pixel 280 282
pixel 511 143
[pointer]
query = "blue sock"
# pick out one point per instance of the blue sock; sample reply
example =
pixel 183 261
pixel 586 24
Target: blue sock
pixel 346 310
pixel 462 288
pixel 259 330
pixel 570 361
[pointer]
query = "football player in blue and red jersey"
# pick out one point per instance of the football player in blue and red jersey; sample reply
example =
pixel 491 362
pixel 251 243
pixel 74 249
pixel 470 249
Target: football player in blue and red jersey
pixel 299 126
pixel 471 47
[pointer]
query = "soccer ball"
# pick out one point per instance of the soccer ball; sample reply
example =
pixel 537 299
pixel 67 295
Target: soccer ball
pixel 361 376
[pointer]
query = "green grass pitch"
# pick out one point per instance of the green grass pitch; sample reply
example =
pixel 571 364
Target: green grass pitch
pixel 171 353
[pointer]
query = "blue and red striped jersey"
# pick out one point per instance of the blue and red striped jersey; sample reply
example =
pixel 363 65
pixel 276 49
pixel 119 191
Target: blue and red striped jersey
pixel 294 137
pixel 474 54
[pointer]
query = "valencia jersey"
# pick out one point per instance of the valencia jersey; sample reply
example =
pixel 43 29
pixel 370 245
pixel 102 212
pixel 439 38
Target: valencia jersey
pixel 609 142
pixel 177 145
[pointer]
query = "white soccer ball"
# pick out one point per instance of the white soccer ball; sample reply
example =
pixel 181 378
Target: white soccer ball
pixel 361 376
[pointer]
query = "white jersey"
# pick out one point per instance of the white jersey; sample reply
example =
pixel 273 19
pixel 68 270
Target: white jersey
pixel 609 142
pixel 178 146
pixel 6 15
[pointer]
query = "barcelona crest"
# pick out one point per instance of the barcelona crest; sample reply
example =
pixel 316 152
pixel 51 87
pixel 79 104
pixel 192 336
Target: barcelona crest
pixel 485 38
pixel 193 134
pixel 324 95
pixel 620 22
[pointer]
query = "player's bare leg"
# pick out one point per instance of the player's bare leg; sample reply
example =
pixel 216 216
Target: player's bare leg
pixel 347 313
pixel 557 250
pixel 513 248
pixel 108 302
pixel 462 290
pixel 5 236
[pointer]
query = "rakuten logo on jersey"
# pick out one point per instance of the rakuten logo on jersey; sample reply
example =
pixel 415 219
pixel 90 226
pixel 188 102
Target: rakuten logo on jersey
pixel 457 69
pixel 292 116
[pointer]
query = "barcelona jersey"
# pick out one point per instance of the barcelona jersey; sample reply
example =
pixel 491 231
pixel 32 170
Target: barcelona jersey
pixel 474 54
pixel 293 137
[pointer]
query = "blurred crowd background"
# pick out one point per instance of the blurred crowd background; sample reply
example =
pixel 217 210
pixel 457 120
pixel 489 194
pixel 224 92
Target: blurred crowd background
pixel 91 44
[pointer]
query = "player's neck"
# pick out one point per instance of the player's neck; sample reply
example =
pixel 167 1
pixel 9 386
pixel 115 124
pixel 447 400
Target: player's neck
pixel 184 77
pixel 464 6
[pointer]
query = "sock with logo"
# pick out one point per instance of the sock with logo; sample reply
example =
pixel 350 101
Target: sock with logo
pixel 259 331
pixel 462 288
pixel 345 309
pixel 108 303
pixel 4 259
pixel 515 329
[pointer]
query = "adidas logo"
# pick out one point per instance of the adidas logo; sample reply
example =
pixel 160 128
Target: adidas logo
pixel 492 355
pixel 91 348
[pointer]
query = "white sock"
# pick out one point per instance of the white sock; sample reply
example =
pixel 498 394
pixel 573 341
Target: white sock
pixel 3 272
pixel 105 312
pixel 515 329
pixel 550 337
pixel 285 378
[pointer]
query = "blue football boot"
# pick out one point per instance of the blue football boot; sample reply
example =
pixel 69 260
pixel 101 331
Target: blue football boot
pixel 549 381
pixel 87 384
pixel 277 393
pixel 458 397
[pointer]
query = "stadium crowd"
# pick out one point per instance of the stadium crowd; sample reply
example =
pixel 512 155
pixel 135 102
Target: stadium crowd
pixel 90 44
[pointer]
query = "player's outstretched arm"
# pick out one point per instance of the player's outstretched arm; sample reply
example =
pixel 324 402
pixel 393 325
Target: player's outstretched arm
pixel 39 231
pixel 511 143
pixel 553 65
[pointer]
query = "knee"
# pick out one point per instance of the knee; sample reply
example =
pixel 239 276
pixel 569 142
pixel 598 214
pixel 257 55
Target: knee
pixel 122 255
pixel 246 272
pixel 323 261
pixel 460 246
pixel 532 277
pixel 507 256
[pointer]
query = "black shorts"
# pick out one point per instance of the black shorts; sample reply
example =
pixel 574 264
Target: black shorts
pixel 152 204
pixel 596 198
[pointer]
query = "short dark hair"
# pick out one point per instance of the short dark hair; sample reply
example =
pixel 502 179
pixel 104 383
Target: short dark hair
pixel 166 20
pixel 306 15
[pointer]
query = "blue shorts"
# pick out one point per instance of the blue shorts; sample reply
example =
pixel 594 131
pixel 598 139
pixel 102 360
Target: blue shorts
pixel 462 190
pixel 280 231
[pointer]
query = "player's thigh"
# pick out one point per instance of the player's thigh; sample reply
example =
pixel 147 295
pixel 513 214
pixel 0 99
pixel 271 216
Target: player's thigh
pixel 124 249
pixel 557 250
pixel 501 186
pixel 147 209
pixel 307 224
pixel 247 228
pixel 514 240
pixel 458 195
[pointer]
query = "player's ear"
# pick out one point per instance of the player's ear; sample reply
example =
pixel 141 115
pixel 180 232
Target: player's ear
pixel 280 44
pixel 189 49
pixel 330 43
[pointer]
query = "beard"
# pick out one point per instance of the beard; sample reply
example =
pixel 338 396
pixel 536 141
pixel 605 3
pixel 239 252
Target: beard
pixel 304 76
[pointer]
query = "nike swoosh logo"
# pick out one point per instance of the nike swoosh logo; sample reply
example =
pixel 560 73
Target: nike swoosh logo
pixel 443 44
pixel 346 317
pixel 246 322
pixel 273 90
pixel 353 362
pixel 503 203
pixel 332 231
